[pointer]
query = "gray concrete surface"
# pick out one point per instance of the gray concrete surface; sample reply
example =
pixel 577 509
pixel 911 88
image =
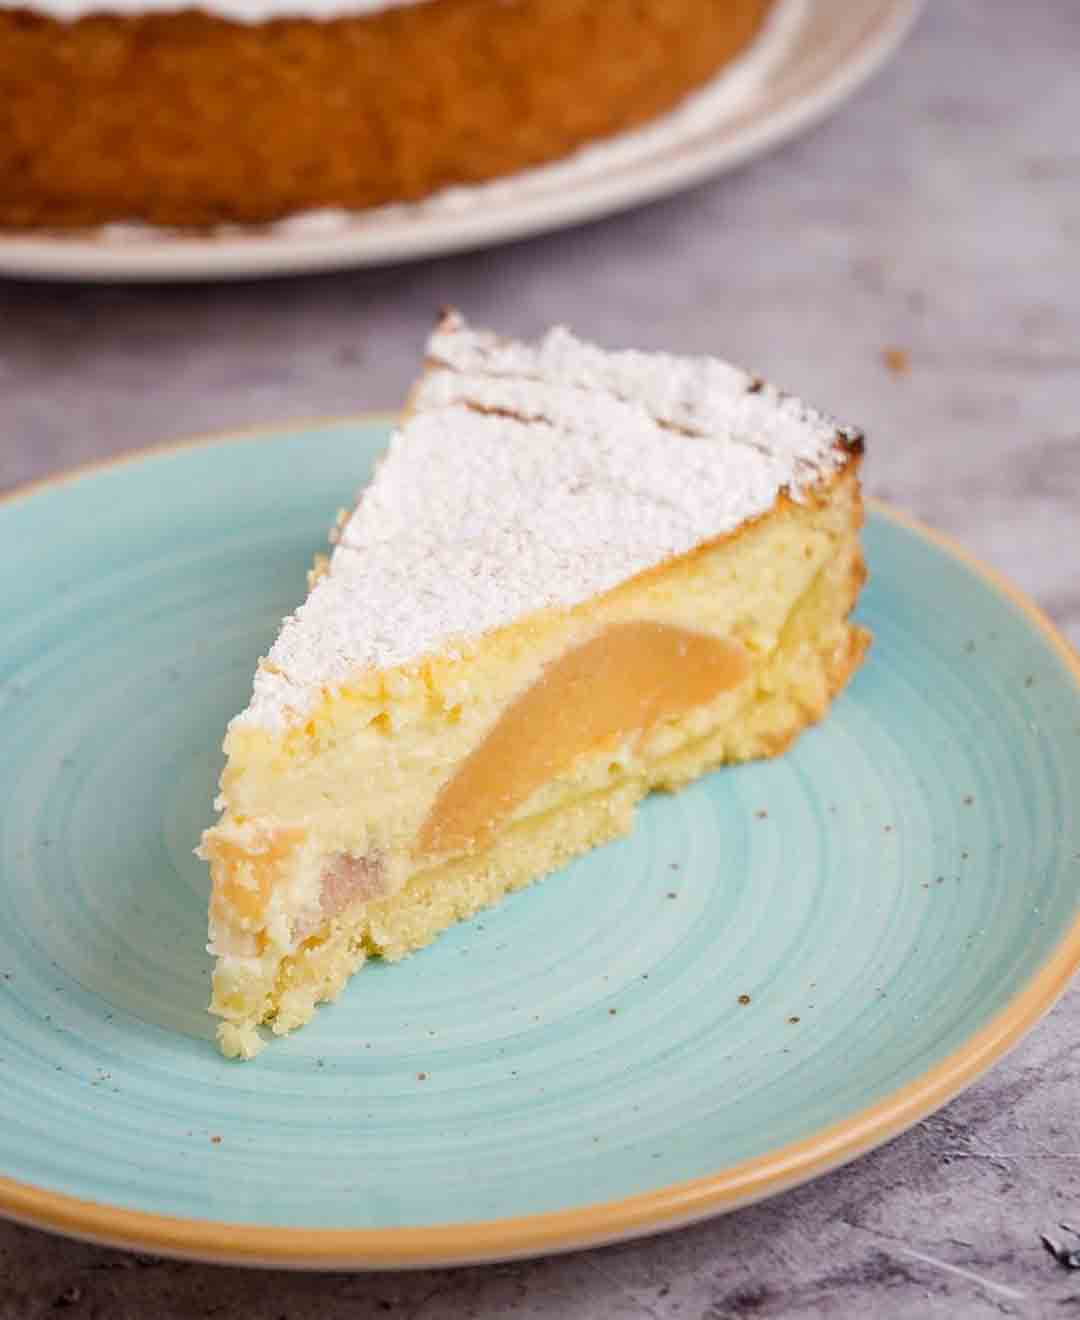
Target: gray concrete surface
pixel 938 214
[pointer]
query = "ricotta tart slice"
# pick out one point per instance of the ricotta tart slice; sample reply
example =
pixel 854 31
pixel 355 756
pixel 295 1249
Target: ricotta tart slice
pixel 576 576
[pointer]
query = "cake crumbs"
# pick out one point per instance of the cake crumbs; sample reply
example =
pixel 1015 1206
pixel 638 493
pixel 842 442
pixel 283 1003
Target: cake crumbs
pixel 744 999
pixel 215 1140
pixel 896 360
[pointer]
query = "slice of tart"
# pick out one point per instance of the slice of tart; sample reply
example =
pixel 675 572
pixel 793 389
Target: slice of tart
pixel 576 576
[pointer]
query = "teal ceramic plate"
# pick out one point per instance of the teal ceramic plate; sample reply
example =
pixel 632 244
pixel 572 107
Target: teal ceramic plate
pixel 896 898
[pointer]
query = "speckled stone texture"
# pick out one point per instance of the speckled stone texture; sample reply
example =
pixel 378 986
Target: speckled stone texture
pixel 937 215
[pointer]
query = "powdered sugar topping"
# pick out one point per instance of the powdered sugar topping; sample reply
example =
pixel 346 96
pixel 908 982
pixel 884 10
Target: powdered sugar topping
pixel 531 477
pixel 236 11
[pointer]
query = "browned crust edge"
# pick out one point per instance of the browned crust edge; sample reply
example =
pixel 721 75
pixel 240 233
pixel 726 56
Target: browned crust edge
pixel 187 119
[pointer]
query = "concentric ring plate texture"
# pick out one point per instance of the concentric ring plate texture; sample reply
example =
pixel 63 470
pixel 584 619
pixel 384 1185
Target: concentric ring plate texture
pixel 813 56
pixel 885 894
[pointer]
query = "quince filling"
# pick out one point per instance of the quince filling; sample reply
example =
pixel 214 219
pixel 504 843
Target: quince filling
pixel 617 686
pixel 621 683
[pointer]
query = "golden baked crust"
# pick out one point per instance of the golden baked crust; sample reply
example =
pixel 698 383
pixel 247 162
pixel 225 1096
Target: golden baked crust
pixel 187 119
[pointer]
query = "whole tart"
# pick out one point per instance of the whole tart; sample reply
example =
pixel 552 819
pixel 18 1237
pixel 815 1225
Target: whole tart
pixel 577 576
pixel 250 110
